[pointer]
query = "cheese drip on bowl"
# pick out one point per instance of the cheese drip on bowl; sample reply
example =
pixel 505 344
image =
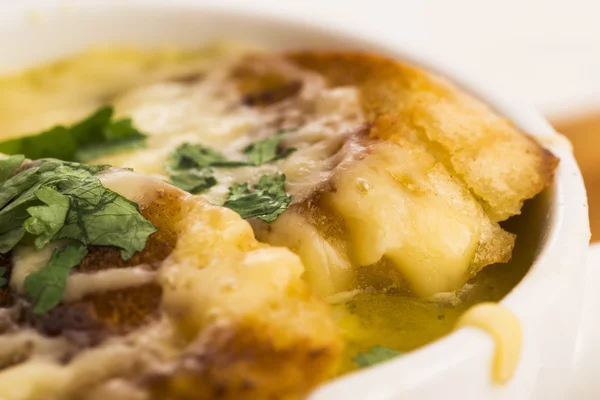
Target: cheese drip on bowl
pixel 504 327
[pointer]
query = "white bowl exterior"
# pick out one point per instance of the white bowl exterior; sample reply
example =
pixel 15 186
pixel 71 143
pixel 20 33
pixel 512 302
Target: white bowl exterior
pixel 547 301
pixel 586 385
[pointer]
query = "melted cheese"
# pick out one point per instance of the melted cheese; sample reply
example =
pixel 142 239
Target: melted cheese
pixel 80 285
pixel 217 272
pixel 132 186
pixel 27 259
pixel 504 326
pixel 392 208
pixel 342 297
pixel 16 383
pixel 14 345
pixel 400 206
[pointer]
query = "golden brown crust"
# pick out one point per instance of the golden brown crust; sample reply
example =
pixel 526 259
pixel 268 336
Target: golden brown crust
pixel 264 82
pixel 6 299
pixel 242 362
pixel 280 348
pixel 117 311
pixel 464 134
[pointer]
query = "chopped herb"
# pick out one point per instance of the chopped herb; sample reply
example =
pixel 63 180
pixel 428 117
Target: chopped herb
pixel 47 285
pixel 266 150
pixel 194 181
pixel 10 238
pixel 189 167
pixel 119 136
pixel 54 200
pixel 375 355
pixel 188 156
pixel 100 217
pixel 196 156
pixel 3 280
pixel 47 220
pixel 9 164
pixel 190 164
pixel 267 201
pixel 90 138
pixel 50 200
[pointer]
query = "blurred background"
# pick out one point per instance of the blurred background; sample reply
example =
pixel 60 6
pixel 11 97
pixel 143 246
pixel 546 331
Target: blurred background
pixel 546 52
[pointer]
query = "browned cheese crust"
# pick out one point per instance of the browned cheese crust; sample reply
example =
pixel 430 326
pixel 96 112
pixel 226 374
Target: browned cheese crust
pixel 499 163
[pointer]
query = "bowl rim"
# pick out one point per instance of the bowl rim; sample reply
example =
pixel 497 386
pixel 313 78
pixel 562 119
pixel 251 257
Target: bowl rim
pixel 565 242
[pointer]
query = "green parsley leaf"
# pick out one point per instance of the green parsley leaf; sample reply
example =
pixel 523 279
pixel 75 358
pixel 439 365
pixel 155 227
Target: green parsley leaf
pixel 189 167
pixel 196 160
pixel 90 138
pixel 194 180
pixel 46 286
pixel 8 165
pixel 56 200
pixel 266 150
pixel 18 193
pixel 49 200
pixel 100 217
pixel 46 221
pixel 55 142
pixel 267 201
pixel 375 355
pixel 187 156
pixel 119 136
pixel 10 238
pixel 19 183
pixel 3 280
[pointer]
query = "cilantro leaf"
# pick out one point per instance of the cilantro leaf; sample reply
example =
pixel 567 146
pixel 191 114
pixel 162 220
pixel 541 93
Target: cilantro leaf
pixel 3 280
pixel 119 136
pixel 18 193
pixel 98 216
pixel 56 200
pixel 51 199
pixel 189 167
pixel 375 355
pixel 47 285
pixel 190 164
pixel 10 238
pixel 8 165
pixel 17 184
pixel 194 180
pixel 90 138
pixel 267 201
pixel 55 142
pixel 189 156
pixel 47 220
pixel 264 151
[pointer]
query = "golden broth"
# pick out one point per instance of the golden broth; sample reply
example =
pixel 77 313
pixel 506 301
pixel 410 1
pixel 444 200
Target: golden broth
pixel 406 323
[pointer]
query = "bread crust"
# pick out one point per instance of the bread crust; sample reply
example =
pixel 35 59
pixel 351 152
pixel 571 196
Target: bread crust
pixel 499 163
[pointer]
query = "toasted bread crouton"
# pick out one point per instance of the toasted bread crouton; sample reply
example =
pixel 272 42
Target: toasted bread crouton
pixel 222 314
pixel 500 164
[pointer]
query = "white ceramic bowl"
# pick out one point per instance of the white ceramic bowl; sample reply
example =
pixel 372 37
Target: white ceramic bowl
pixel 548 301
